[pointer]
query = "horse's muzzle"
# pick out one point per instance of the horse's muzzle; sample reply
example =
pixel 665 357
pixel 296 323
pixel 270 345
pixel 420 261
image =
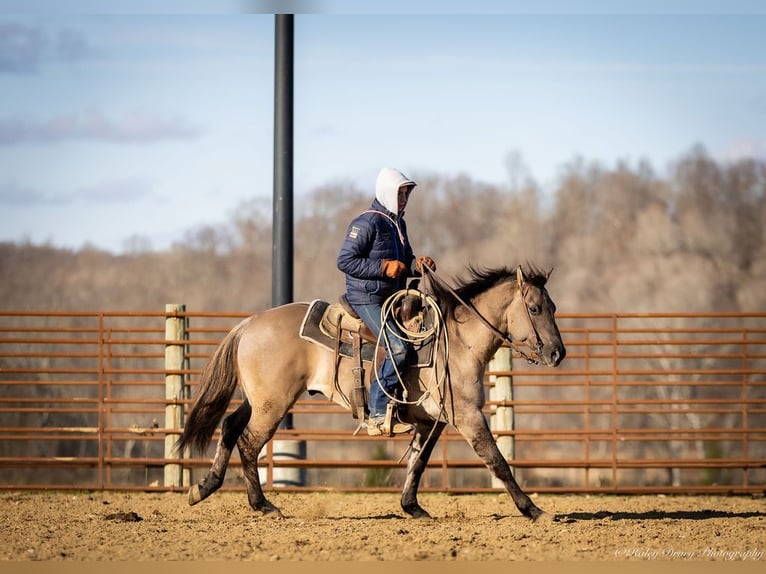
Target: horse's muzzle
pixel 554 358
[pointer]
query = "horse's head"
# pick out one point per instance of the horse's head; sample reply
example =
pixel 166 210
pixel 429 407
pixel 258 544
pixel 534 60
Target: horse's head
pixel 531 319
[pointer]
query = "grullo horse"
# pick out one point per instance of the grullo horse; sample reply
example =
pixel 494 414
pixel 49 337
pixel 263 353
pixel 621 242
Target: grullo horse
pixel 273 365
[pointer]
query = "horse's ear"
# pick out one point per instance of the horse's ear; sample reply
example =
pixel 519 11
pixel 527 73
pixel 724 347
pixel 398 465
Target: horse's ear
pixel 548 275
pixel 520 279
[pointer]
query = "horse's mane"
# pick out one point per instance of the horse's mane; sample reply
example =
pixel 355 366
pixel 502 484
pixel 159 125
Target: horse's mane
pixel 479 280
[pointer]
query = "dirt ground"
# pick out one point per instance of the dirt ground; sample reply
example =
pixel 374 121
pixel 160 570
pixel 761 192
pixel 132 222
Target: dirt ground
pixel 113 526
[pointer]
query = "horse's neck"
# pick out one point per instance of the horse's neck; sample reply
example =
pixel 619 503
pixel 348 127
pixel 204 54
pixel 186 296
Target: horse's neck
pixel 471 331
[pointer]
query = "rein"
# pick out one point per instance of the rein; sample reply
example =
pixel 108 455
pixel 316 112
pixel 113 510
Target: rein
pixel 495 331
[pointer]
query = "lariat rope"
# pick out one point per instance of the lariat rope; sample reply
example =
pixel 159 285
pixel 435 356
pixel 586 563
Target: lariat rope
pixel 439 334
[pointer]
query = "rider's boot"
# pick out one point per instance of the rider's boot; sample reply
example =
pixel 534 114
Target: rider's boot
pixel 388 425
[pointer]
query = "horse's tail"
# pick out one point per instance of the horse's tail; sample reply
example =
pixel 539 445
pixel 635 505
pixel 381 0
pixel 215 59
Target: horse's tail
pixel 216 386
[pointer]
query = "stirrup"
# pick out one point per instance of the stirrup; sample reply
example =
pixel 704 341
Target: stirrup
pixel 393 426
pixel 381 429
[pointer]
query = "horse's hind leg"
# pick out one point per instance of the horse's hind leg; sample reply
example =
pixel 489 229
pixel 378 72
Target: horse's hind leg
pixel 232 428
pixel 426 437
pixel 250 444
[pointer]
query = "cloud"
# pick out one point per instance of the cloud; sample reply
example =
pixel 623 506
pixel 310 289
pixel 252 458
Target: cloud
pixel 136 128
pixel 122 191
pixel 72 46
pixel 118 191
pixel 21 48
pixel 24 49
pixel 12 195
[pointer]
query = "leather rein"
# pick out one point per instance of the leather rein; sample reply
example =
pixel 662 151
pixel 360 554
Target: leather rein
pixel 533 334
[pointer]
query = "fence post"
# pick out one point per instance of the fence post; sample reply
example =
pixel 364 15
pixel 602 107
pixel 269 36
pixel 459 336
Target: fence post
pixel 175 333
pixel 502 418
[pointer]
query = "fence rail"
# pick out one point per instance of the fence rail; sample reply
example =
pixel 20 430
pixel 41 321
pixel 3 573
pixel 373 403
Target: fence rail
pixel 664 402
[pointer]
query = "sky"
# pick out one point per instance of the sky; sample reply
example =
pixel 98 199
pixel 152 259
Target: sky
pixel 125 120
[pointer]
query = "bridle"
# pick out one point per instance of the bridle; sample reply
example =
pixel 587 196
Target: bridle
pixel 533 340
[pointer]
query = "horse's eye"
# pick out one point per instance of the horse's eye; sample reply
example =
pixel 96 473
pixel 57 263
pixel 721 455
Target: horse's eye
pixel 534 309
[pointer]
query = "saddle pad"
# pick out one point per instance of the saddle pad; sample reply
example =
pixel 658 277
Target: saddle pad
pixel 314 328
pixel 311 330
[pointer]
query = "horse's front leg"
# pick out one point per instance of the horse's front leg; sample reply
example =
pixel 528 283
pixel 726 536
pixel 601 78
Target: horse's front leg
pixel 232 428
pixel 426 436
pixel 473 426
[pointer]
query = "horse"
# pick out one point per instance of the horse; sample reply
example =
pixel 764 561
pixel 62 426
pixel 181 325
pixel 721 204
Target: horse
pixel 265 356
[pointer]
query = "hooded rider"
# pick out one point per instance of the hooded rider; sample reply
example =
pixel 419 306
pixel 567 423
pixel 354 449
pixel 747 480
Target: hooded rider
pixel 377 258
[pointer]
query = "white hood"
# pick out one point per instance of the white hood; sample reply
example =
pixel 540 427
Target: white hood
pixel 387 187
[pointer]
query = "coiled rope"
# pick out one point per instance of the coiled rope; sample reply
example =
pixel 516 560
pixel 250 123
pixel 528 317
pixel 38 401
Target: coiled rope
pixel 392 327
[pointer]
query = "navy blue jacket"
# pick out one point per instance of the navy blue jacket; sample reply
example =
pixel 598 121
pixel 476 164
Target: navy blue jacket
pixel 371 238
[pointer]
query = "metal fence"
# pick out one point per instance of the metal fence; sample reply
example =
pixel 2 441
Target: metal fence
pixel 643 403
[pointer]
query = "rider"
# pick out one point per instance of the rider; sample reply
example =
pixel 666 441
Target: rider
pixel 377 258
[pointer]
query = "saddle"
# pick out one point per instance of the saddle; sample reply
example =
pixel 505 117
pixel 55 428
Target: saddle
pixel 337 327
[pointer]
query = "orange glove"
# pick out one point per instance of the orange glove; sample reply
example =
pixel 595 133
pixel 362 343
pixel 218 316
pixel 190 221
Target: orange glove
pixel 393 268
pixel 424 260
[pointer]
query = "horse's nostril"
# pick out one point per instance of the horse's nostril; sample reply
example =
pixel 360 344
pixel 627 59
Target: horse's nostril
pixel 555 357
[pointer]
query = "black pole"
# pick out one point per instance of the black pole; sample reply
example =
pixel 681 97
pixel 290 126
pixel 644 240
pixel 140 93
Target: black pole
pixel 282 240
pixel 282 254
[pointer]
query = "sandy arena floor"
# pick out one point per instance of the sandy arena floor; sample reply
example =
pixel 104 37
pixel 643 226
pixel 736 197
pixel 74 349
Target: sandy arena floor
pixel 364 527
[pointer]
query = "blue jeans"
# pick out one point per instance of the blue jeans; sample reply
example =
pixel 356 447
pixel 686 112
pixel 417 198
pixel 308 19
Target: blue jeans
pixel 396 355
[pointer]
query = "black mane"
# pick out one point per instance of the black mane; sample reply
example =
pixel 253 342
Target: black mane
pixel 481 279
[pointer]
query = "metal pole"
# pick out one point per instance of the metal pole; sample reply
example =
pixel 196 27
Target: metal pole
pixel 282 255
pixel 282 241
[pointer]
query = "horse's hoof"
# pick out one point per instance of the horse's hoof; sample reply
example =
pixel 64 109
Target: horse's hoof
pixel 417 512
pixel 195 495
pixel 271 512
pixel 544 518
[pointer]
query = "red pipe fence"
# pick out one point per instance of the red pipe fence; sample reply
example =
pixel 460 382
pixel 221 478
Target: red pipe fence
pixel 662 402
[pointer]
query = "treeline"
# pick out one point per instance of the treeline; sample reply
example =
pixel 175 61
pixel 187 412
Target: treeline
pixel 621 239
